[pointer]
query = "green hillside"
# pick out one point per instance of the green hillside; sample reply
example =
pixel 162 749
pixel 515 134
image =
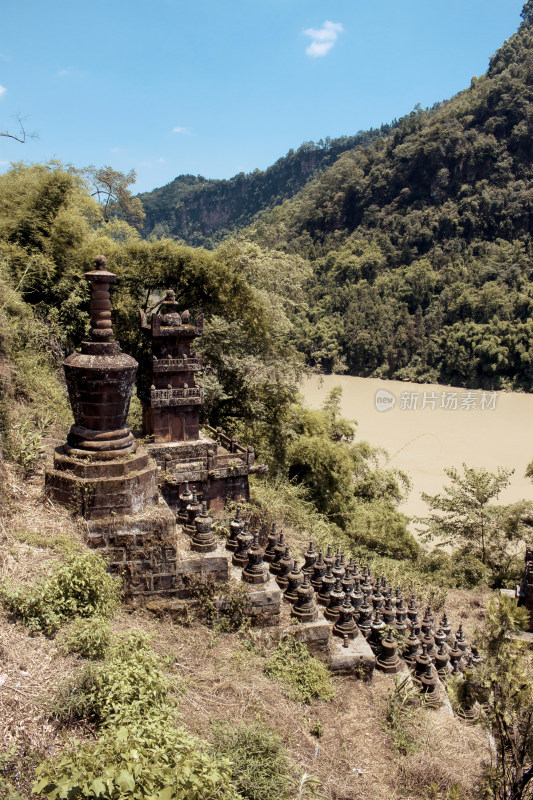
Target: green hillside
pixel 421 243
pixel 202 211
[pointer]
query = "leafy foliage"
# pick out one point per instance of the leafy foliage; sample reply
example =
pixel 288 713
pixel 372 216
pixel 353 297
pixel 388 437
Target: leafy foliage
pixel 259 767
pixel 129 683
pixel 79 587
pixel 465 516
pixel 399 708
pixel 88 637
pixel 141 752
pixel 147 758
pixel 17 764
pixel 347 481
pixel 306 678
pixel 504 689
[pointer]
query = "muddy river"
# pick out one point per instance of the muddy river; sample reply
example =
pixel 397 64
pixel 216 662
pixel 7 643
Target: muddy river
pixel 426 428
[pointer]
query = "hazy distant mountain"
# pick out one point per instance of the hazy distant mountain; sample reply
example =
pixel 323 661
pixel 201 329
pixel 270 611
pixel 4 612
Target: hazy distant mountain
pixel 202 211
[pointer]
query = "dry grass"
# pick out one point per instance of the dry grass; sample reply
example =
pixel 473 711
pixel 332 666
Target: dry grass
pixel 220 676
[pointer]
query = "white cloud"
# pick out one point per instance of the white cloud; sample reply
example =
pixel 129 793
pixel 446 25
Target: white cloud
pixel 3 90
pixel 181 129
pixel 322 39
pixel 116 150
pixel 146 164
pixel 161 161
pixel 4 163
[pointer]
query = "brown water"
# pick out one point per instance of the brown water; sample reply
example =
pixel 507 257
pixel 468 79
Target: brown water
pixel 495 430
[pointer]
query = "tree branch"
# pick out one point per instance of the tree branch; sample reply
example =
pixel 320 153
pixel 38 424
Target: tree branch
pixel 22 134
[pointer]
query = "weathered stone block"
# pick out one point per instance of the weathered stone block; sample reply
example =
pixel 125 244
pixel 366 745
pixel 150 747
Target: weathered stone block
pixel 357 658
pixel 315 635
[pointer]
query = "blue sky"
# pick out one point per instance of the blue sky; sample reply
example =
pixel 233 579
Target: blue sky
pixel 219 87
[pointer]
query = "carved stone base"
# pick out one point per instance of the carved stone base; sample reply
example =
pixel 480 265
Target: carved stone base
pixel 97 487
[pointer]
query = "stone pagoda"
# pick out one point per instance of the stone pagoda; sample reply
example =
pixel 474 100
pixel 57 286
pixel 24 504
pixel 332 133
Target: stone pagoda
pixel 101 470
pixel 173 411
pixel 214 466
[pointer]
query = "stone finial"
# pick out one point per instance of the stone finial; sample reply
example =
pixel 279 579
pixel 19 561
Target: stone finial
pixel 388 660
pixel 279 551
pixel 456 655
pixel 272 540
pixel 429 683
pixel 203 540
pixel 338 570
pixel 285 566
pixel 412 647
pixel 445 625
pixel 389 612
pixel 460 638
pixel 235 527
pixel 329 559
pixel 310 557
pixel 294 580
pixel 365 618
pixel 100 308
pixel 421 663
pixel 357 596
pixel 442 658
pixel 440 638
pixel 348 581
pixel 255 570
pixel 305 609
pixel 377 597
pixel 412 608
pixel 335 601
pixel 319 570
pixel 326 587
pixel 377 629
pixel 401 624
pixel 244 542
pixel 345 624
pixel 185 498
pixel 193 509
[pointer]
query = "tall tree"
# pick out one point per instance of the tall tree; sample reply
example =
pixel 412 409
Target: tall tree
pixel 464 516
pixel 527 12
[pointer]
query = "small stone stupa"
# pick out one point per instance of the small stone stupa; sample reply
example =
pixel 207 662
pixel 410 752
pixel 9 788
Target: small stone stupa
pixel 101 471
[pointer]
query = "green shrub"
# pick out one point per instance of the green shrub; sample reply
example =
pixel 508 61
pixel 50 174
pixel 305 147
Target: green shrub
pixel 17 766
pixel 128 683
pixel 399 711
pixel 88 637
pixel 79 587
pixel 259 768
pixel 141 752
pixel 307 679
pixel 221 605
pixel 148 758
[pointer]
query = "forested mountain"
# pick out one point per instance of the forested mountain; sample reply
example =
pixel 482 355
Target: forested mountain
pixel 421 243
pixel 202 211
